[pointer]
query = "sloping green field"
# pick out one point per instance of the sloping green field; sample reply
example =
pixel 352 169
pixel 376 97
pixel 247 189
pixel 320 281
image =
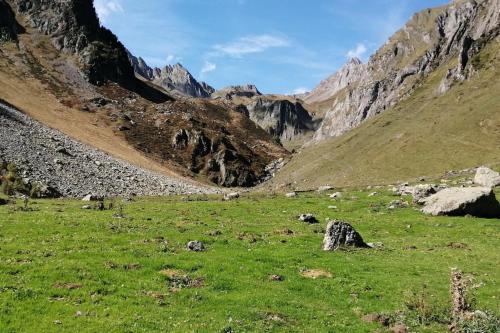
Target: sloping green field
pixel 424 135
pixel 64 269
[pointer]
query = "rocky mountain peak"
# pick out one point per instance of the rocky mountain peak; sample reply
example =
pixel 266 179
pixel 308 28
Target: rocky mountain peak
pixel 246 90
pixel 171 77
pixel 431 39
pixel 354 61
pixel 351 72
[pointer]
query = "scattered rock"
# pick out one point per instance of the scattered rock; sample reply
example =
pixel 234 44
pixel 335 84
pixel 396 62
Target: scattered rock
pixel 332 207
pixel 487 177
pixel 231 196
pixel 92 197
pixel 195 246
pixel 276 278
pixel 395 204
pixel 291 194
pixel 308 218
pixel 3 202
pixel 87 207
pixel 340 234
pixel 373 194
pixel 418 192
pixel 458 201
pixel 325 188
pixel 336 195
pixel 377 245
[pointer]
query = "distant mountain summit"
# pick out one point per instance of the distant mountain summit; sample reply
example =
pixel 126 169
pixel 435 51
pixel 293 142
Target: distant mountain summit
pixel 246 90
pixel 431 40
pixel 348 74
pixel 171 77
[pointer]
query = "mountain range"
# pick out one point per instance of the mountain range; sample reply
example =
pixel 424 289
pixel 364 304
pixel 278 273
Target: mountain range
pixel 424 103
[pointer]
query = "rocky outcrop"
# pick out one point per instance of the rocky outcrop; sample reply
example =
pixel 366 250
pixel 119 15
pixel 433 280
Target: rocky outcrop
pixel 178 78
pixel 487 177
pixel 74 28
pixel 141 67
pixel 229 93
pixel 431 39
pixel 217 158
pixel 174 77
pixel 64 166
pixel 349 74
pixel 341 234
pixel 9 28
pixel 459 201
pixel 282 119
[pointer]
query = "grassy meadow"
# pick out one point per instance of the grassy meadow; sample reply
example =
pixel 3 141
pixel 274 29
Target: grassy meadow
pixel 65 269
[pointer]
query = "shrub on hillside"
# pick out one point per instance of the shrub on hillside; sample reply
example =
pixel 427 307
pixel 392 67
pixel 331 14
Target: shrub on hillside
pixel 10 182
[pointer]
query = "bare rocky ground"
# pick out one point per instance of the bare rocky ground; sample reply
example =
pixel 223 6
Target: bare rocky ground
pixel 47 156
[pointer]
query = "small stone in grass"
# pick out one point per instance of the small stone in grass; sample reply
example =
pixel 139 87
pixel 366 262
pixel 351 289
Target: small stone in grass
pixel 195 246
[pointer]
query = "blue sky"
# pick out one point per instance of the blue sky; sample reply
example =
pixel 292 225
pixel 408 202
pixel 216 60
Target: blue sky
pixel 281 46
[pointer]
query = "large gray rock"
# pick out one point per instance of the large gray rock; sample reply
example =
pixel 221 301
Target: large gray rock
pixel 341 234
pixel 461 201
pixel 487 177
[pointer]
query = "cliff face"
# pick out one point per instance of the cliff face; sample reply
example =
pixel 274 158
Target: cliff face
pixel 432 38
pixel 174 77
pixel 228 93
pixel 280 118
pixel 9 28
pixel 75 29
pixel 178 78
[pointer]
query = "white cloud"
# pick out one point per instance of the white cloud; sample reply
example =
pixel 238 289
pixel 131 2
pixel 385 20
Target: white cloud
pixel 208 67
pixel 170 58
pixel 358 51
pixel 251 44
pixel 300 91
pixel 105 8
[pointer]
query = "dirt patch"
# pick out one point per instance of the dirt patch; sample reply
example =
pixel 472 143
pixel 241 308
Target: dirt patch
pixel 458 246
pixel 285 232
pixel 315 274
pixel 178 280
pixel 68 285
pixel 155 295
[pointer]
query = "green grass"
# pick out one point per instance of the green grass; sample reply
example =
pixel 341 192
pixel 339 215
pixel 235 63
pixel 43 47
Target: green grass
pixel 114 265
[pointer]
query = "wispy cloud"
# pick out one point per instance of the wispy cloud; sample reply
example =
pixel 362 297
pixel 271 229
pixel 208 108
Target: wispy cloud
pixel 207 68
pixel 251 44
pixel 300 91
pixel 105 8
pixel 358 52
